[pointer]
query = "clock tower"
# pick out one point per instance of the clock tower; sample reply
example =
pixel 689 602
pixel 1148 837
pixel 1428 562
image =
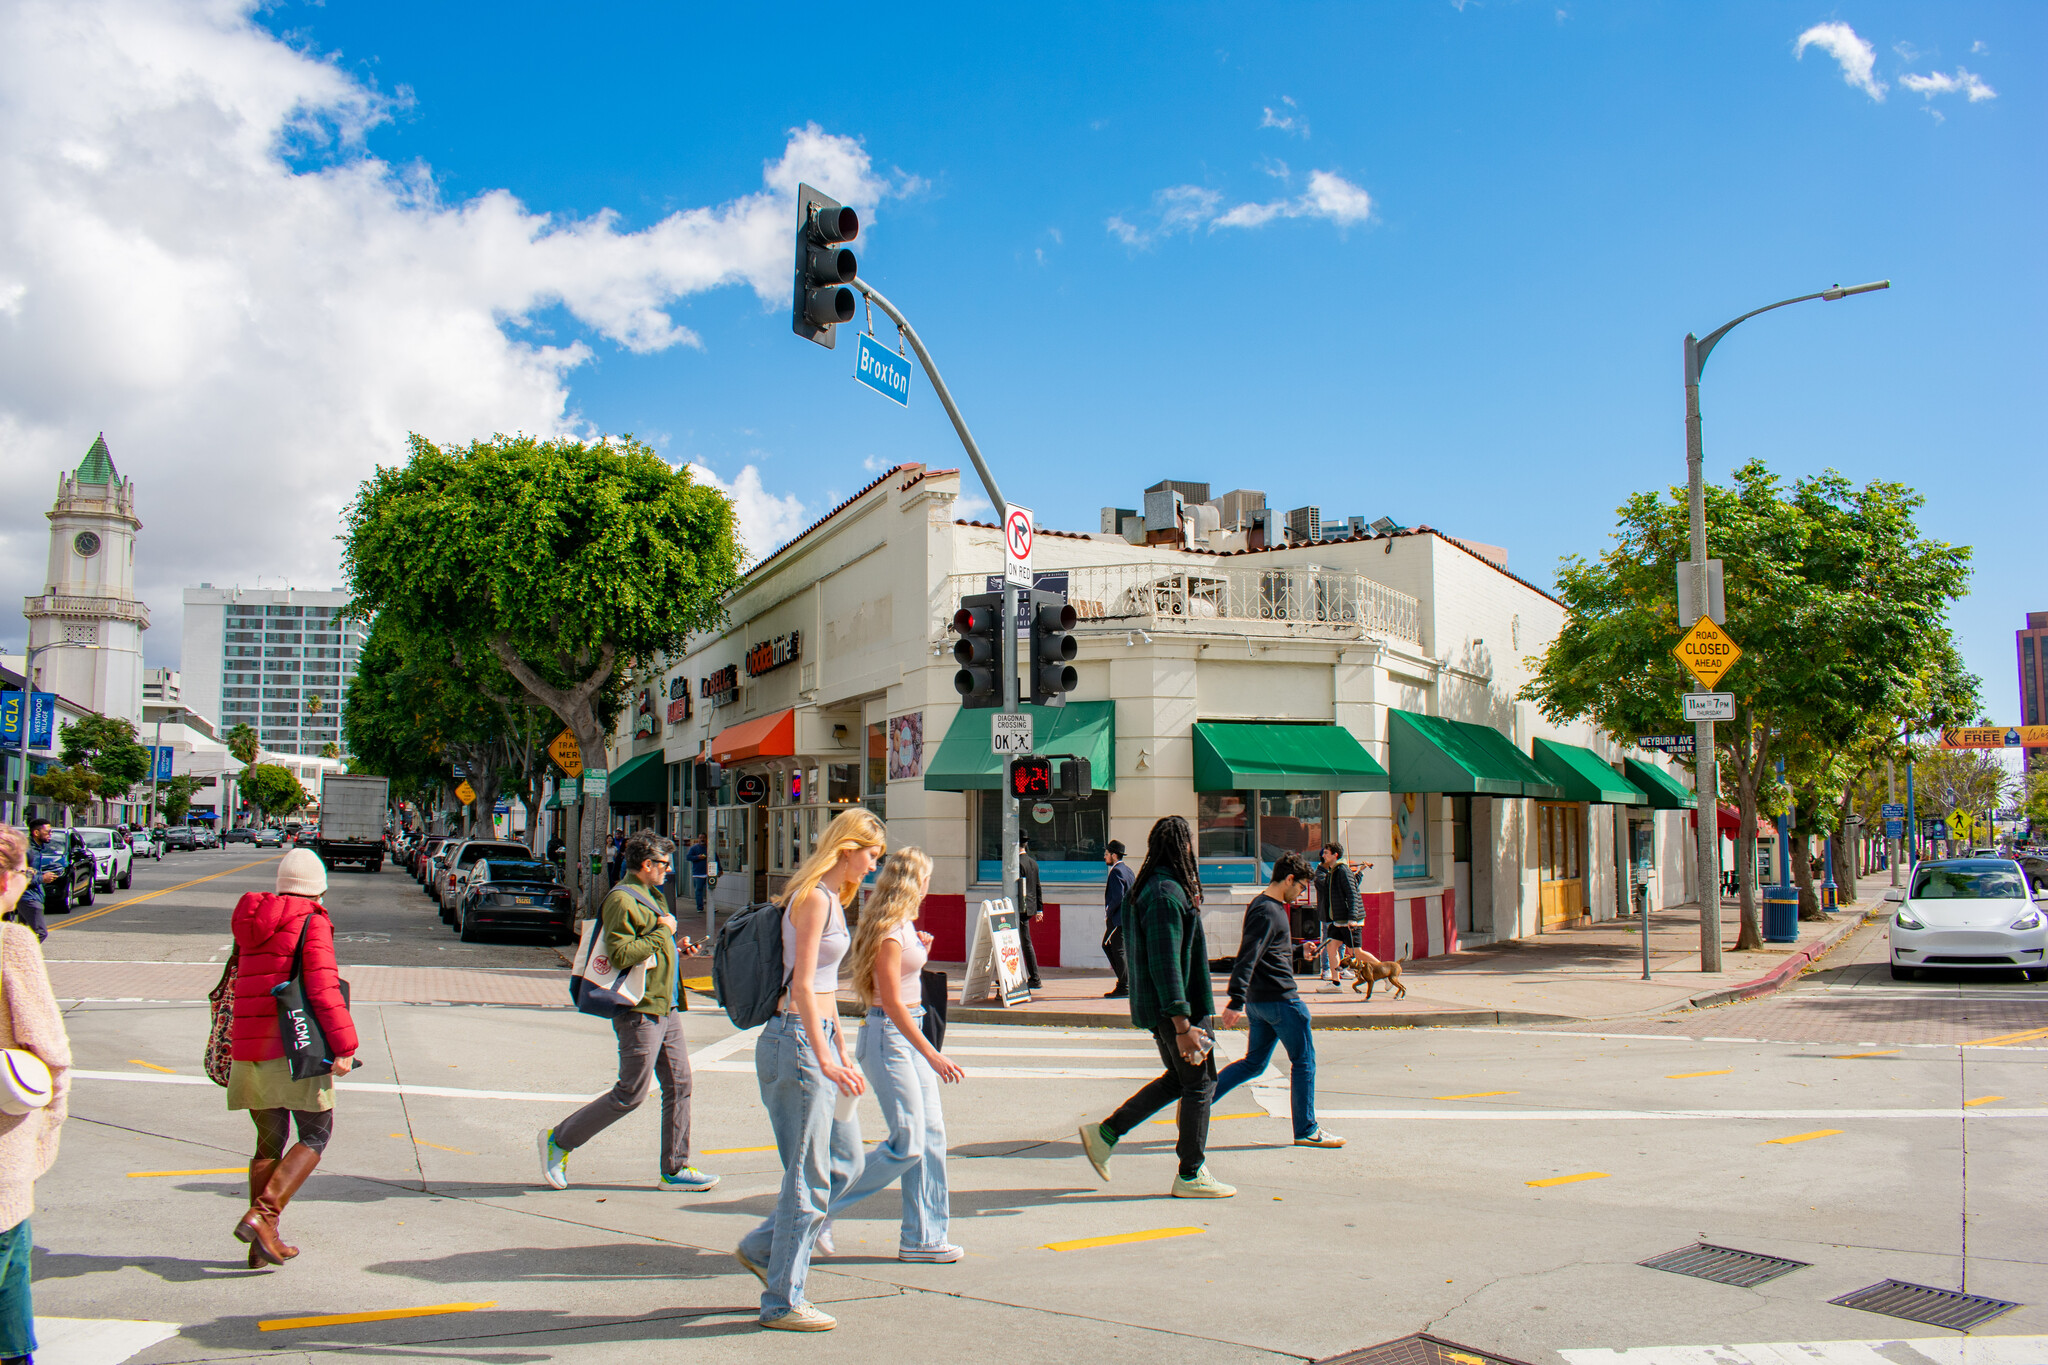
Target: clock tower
pixel 88 613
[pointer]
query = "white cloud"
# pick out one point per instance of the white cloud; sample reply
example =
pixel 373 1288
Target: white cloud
pixel 1940 83
pixel 198 256
pixel 1187 208
pixel 1857 58
pixel 1978 48
pixel 1286 119
pixel 766 520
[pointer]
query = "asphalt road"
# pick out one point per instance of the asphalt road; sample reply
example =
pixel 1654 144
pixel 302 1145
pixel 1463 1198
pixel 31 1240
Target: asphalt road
pixel 1499 1188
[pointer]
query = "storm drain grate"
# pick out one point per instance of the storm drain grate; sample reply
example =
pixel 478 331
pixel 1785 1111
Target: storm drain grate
pixel 1724 1265
pixel 1420 1349
pixel 1923 1303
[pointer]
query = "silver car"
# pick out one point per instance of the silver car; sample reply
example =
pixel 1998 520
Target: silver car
pixel 1969 914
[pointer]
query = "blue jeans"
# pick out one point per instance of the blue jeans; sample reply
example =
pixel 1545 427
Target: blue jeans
pixel 820 1157
pixel 908 1091
pixel 1285 1022
pixel 17 1306
pixel 698 885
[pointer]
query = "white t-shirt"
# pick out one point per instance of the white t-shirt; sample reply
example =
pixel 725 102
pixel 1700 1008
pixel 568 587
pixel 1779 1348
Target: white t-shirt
pixel 832 944
pixel 914 958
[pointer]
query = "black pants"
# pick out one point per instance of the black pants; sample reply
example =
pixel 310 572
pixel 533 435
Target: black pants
pixel 1113 949
pixel 1030 953
pixel 1193 1086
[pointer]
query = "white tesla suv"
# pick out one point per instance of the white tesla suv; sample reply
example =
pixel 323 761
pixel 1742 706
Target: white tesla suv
pixel 1969 914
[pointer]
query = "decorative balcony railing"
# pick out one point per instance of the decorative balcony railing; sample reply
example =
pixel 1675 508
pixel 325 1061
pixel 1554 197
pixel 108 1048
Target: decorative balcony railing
pixel 103 608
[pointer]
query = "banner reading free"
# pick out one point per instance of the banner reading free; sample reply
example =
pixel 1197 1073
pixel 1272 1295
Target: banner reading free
pixel 42 727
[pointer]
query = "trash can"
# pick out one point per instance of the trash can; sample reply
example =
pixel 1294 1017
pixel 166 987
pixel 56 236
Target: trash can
pixel 1781 914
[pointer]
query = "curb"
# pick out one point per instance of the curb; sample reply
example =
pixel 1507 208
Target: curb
pixel 1779 976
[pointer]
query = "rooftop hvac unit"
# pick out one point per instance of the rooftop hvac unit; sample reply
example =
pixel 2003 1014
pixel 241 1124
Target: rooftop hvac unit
pixel 1305 524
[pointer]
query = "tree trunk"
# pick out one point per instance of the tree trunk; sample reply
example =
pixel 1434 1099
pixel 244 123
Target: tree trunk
pixel 1844 855
pixel 577 707
pixel 1801 840
pixel 1747 762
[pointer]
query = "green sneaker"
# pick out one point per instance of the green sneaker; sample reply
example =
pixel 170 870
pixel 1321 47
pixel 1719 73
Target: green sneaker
pixel 1202 1186
pixel 1097 1145
pixel 554 1162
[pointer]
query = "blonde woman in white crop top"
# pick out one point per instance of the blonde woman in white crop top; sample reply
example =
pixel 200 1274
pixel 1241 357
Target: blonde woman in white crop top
pixel 803 1066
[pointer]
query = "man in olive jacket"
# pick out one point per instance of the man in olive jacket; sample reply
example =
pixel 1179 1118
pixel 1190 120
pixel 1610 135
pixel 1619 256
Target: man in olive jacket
pixel 637 929
pixel 1171 996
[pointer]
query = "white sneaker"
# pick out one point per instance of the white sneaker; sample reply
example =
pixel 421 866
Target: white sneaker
pixel 802 1318
pixel 554 1162
pixel 944 1254
pixel 823 1246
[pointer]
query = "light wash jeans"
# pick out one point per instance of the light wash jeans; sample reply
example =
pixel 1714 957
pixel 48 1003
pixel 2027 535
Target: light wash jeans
pixel 907 1088
pixel 820 1157
pixel 1287 1023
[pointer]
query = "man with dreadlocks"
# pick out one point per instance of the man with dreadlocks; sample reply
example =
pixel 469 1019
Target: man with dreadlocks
pixel 1171 997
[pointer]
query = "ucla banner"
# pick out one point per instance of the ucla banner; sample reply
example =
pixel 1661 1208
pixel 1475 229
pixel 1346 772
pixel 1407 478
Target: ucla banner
pixel 42 727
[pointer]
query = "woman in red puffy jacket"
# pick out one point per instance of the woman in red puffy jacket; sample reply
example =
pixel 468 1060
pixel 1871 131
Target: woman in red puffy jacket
pixel 268 931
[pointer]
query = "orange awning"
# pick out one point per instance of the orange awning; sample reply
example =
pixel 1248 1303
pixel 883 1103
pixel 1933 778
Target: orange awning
pixel 763 737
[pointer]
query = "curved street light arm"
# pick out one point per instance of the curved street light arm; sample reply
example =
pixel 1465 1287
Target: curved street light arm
pixel 1696 351
pixel 924 357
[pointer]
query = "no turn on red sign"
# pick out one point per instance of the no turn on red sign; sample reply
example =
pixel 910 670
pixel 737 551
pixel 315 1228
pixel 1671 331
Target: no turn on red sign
pixel 1019 532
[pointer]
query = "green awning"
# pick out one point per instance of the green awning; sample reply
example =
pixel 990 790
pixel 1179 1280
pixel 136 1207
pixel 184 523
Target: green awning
pixel 1585 776
pixel 640 781
pixel 1664 791
pixel 1435 754
pixel 554 801
pixel 1231 756
pixel 1085 729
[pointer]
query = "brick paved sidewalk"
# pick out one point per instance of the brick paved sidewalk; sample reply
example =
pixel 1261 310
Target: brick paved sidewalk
pixel 183 981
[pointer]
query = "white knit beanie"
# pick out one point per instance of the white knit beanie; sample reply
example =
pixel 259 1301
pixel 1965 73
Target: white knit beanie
pixel 302 874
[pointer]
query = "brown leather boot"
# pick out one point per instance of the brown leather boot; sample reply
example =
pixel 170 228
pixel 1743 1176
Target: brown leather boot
pixel 259 1225
pixel 259 1175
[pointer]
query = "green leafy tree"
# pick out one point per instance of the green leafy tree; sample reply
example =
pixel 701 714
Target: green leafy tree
pixel 330 750
pixel 272 789
pixel 561 561
pixel 74 788
pixel 106 745
pixel 1839 606
pixel 174 798
pixel 242 743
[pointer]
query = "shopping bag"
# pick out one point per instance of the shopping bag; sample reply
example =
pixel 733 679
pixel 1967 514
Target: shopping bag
pixel 219 1059
pixel 598 988
pixel 298 1031
pixel 932 984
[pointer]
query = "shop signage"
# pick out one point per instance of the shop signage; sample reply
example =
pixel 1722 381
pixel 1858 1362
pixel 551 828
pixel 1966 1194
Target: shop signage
pixel 1042 813
pixel 722 687
pixel 678 699
pixel 644 723
pixel 1996 737
pixel 750 789
pixel 770 655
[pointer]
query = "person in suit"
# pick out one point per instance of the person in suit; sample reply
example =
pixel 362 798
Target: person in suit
pixel 1030 907
pixel 1115 891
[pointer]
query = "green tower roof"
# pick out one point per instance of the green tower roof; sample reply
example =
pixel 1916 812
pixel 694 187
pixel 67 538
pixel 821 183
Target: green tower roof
pixel 98 465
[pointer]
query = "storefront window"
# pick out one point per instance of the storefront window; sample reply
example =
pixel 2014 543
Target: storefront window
pixel 1059 831
pixel 877 789
pixel 1223 824
pixel 1290 822
pixel 1411 835
pixel 776 843
pixel 729 838
pixel 842 783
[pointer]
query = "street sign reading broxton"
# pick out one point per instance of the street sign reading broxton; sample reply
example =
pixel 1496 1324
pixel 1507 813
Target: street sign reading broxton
pixel 882 370
pixel 1707 650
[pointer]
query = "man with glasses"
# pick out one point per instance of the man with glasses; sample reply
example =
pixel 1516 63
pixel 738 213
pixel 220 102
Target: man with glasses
pixel 637 928
pixel 48 875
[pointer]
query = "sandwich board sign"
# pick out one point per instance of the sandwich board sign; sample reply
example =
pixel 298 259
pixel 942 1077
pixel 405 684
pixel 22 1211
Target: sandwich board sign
pixel 995 958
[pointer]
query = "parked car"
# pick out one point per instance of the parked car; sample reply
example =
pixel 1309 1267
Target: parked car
pixel 467 853
pixel 181 839
pixel 514 893
pixel 1969 914
pixel 113 860
pixel 423 853
pixel 207 838
pixel 147 843
pixel 242 834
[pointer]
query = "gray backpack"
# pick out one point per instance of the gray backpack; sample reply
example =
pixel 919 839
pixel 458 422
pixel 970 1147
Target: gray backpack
pixel 746 964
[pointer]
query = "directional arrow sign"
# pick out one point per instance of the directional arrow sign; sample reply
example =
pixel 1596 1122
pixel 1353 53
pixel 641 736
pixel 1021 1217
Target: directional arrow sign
pixel 1707 650
pixel 567 756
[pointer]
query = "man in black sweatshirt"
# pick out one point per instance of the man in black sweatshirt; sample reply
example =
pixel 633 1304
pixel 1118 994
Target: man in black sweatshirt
pixel 1262 986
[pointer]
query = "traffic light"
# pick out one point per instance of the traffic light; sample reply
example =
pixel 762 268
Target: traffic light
pixel 979 650
pixel 1076 779
pixel 1052 648
pixel 823 267
pixel 710 776
pixel 1031 779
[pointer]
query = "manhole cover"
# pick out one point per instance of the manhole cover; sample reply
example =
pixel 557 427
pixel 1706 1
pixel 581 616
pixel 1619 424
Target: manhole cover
pixel 1420 1349
pixel 1923 1303
pixel 1724 1265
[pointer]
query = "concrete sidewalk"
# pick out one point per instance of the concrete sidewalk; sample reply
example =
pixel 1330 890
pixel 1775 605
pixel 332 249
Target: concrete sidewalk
pixel 1566 975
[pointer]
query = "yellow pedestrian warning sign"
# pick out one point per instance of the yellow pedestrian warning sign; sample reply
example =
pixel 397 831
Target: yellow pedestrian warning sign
pixel 465 793
pixel 567 756
pixel 1707 650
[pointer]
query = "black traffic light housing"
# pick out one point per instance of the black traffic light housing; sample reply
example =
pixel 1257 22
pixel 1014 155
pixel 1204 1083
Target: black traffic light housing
pixel 1031 779
pixel 1052 647
pixel 823 267
pixel 710 776
pixel 979 650
pixel 1076 779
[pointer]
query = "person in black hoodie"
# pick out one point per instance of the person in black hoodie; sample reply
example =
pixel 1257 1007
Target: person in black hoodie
pixel 1262 986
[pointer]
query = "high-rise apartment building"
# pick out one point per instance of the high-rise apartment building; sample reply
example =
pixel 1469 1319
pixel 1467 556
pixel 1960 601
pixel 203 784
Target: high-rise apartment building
pixel 275 659
pixel 160 687
pixel 2033 648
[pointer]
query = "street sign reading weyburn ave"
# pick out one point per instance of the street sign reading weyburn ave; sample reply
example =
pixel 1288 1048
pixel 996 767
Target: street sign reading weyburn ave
pixel 1707 650
pixel 1666 744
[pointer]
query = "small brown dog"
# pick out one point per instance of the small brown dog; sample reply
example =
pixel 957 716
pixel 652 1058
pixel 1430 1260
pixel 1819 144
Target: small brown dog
pixel 1368 971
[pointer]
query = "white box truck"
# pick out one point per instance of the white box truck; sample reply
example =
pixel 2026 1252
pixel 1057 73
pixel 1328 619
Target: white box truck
pixel 352 807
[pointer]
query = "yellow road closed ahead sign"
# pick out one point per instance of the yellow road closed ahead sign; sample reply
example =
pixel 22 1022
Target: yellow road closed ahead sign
pixel 465 793
pixel 1708 651
pixel 567 756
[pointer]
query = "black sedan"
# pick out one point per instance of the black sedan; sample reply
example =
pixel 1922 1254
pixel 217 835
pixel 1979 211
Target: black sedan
pixel 505 893
pixel 182 839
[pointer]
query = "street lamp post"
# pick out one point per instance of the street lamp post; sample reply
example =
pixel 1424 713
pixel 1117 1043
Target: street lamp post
pixel 1708 782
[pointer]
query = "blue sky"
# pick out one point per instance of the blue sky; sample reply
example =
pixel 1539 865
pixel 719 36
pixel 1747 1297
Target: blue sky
pixel 1427 260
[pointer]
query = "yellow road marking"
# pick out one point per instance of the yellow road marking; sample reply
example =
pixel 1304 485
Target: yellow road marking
pixel 71 921
pixel 1120 1239
pixel 1889 1052
pixel 1688 1075
pixel 1479 1094
pixel 700 984
pixel 1219 1118
pixel 339 1319
pixel 1803 1137
pixel 210 1170
pixel 1568 1179
pixel 1982 1099
pixel 2002 1039
pixel 137 1061
pixel 435 1145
